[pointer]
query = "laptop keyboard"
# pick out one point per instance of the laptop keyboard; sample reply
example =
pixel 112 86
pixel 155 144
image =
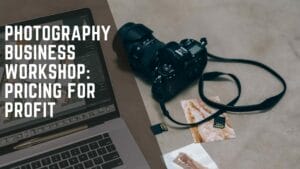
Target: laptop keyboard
pixel 94 153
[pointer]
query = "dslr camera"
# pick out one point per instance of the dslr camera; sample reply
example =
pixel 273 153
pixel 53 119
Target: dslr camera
pixel 169 67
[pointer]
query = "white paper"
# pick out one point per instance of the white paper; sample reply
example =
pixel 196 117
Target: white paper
pixel 195 151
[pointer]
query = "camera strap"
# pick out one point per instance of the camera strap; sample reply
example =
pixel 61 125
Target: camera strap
pixel 209 76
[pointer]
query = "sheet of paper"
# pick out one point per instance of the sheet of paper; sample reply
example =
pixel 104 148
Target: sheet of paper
pixel 192 156
pixel 195 110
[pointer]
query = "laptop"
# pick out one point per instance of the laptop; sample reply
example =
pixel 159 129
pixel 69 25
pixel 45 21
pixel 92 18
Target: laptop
pixel 84 133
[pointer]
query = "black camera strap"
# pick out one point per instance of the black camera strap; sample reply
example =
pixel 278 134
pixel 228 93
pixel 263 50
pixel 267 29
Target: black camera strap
pixel 208 76
pixel 266 104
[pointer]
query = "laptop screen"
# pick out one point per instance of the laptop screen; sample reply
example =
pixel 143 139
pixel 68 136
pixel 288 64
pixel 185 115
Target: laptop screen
pixel 67 111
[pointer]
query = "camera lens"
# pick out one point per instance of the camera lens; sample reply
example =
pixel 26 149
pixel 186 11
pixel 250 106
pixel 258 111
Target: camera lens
pixel 141 47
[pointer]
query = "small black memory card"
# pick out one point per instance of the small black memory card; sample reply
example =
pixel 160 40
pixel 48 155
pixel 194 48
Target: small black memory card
pixel 159 128
pixel 219 122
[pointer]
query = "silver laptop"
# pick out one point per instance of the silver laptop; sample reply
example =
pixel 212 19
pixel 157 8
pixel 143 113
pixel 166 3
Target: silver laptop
pixel 84 133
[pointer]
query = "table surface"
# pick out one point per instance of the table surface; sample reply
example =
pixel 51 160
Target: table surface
pixel 267 31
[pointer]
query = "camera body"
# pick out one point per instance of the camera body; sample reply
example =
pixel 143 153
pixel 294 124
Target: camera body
pixel 169 67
